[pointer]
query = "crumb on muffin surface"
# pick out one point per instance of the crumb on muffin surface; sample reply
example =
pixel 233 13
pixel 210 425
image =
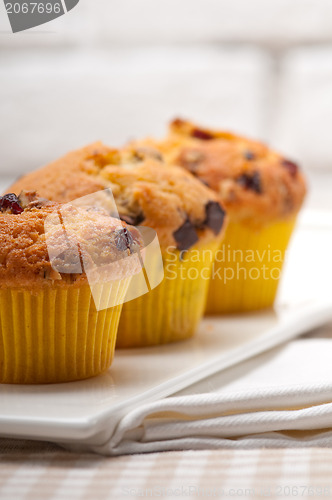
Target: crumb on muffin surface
pixel 255 183
pixel 147 192
pixel 89 237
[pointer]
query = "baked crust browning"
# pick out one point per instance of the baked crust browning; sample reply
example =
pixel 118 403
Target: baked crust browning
pixel 256 184
pixel 87 237
pixel 146 191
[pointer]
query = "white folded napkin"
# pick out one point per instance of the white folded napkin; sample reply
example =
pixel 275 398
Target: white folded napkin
pixel 280 398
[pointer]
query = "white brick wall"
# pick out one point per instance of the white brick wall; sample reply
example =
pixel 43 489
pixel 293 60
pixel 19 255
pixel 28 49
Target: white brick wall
pixel 266 21
pixel 59 105
pixel 304 121
pixel 115 69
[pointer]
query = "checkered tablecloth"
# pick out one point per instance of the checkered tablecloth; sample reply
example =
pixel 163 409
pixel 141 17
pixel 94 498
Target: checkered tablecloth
pixel 42 471
pixel 33 470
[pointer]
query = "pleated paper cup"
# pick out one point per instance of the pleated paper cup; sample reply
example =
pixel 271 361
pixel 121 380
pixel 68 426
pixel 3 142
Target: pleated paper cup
pixel 247 270
pixel 170 312
pixel 57 333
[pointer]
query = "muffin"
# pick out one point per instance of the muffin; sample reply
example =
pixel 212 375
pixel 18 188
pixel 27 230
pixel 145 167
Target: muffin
pixel 186 215
pixel 262 192
pixel 55 325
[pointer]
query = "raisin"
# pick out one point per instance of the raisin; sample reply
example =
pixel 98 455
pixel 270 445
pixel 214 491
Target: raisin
pixel 186 236
pixel 290 166
pixel 201 134
pixel 251 181
pixel 215 216
pixel 10 202
pixel 123 239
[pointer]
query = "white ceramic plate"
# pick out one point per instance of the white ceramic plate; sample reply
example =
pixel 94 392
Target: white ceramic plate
pixel 78 412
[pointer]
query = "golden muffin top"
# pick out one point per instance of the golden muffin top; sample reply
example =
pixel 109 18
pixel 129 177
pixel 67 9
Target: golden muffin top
pixel 255 183
pixel 147 192
pixel 33 230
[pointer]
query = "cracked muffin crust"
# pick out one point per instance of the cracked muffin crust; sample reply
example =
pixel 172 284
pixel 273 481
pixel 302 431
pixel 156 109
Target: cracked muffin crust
pixel 90 237
pixel 168 199
pixel 255 183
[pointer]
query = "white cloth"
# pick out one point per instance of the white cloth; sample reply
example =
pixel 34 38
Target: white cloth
pixel 280 398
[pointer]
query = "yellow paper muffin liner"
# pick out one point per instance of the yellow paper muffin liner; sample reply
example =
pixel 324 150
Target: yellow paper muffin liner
pixel 56 334
pixel 171 311
pixel 246 273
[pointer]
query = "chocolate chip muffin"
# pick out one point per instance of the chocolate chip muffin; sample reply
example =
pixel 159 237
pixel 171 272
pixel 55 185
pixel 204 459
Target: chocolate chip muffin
pixel 55 325
pixel 187 216
pixel 262 192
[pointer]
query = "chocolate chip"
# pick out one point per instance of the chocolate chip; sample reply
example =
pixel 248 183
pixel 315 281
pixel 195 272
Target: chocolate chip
pixel 251 181
pixel 201 134
pixel 215 216
pixel 249 155
pixel 133 220
pixel 10 202
pixel 123 239
pixel 186 236
pixel 290 166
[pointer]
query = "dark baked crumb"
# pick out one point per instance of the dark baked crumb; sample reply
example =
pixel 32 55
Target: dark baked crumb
pixel 25 197
pixel 201 134
pixel 133 220
pixel 10 202
pixel 30 200
pixel 123 239
pixel 249 155
pixel 291 166
pixel 186 236
pixel 215 216
pixel 40 203
pixel 68 261
pixel 251 181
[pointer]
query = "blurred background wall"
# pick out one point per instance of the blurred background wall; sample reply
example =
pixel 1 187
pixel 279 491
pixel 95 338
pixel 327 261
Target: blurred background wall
pixel 118 69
